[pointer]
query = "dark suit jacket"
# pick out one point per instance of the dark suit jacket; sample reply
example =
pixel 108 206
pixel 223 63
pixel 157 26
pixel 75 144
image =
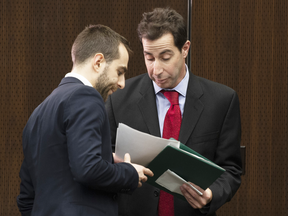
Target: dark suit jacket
pixel 210 126
pixel 68 166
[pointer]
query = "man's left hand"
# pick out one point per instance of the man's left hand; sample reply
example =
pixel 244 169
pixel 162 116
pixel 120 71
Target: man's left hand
pixel 193 198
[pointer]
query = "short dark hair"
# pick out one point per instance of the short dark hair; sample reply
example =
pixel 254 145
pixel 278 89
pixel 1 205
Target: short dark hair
pixel 98 39
pixel 161 21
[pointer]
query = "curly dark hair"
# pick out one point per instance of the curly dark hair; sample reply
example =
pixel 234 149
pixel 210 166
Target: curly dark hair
pixel 161 21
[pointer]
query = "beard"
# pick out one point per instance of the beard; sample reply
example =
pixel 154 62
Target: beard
pixel 103 85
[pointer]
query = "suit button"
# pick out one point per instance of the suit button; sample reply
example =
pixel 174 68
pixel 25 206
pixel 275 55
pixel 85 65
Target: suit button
pixel 156 193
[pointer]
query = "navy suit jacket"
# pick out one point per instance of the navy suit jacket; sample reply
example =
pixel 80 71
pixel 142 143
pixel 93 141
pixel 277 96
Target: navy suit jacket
pixel 68 165
pixel 210 126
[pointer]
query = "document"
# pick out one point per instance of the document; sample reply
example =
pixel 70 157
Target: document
pixel 142 147
pixel 187 165
pixel 172 162
pixel 172 182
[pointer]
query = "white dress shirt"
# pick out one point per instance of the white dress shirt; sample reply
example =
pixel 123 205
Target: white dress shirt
pixel 79 77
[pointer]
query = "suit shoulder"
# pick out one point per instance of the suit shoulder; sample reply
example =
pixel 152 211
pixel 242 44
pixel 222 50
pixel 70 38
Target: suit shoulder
pixel 132 86
pixel 78 90
pixel 215 87
pixel 135 81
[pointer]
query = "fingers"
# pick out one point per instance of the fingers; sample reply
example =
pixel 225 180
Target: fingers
pixel 139 184
pixel 193 198
pixel 148 172
pixel 142 171
pixel 143 178
pixel 127 158
pixel 189 196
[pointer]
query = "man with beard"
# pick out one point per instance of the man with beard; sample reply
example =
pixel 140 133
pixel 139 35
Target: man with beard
pixel 68 167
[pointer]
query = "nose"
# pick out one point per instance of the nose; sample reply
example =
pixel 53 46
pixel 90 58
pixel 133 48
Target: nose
pixel 157 70
pixel 121 81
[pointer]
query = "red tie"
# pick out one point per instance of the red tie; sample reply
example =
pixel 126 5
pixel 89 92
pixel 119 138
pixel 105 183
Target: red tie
pixel 172 124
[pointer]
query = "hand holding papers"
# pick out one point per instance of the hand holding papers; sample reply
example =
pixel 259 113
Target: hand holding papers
pixel 172 162
pixel 172 182
pixel 141 170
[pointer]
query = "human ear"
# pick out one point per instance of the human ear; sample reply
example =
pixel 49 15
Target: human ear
pixel 98 61
pixel 185 49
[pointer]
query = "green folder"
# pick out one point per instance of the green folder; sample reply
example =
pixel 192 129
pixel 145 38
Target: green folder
pixel 188 164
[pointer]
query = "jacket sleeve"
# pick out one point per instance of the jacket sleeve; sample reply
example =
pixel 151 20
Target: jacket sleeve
pixel 89 145
pixel 228 156
pixel 25 199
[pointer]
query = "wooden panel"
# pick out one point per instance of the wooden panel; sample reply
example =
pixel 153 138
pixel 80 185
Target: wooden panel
pixel 35 43
pixel 243 44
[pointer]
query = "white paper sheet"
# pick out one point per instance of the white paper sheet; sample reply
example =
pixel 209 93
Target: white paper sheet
pixel 142 147
pixel 172 182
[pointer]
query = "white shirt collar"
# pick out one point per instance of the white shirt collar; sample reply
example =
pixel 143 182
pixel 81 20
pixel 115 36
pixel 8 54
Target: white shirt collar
pixel 79 77
pixel 181 88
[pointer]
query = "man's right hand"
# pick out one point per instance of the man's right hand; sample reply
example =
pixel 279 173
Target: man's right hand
pixel 141 170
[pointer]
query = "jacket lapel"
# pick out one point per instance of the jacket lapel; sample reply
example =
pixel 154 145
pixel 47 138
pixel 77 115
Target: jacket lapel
pixel 147 106
pixel 192 109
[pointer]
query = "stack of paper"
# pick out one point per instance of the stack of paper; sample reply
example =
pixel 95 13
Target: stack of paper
pixel 172 162
pixel 142 147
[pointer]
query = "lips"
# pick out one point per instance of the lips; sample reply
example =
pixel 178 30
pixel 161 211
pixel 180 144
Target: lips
pixel 114 89
pixel 160 81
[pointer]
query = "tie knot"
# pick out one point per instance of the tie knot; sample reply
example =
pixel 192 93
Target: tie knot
pixel 172 96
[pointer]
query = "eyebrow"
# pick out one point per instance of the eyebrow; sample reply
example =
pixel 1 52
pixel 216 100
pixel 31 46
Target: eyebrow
pixel 163 52
pixel 123 68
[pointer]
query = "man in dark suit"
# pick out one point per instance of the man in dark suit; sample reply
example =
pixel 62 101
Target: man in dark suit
pixel 68 166
pixel 210 116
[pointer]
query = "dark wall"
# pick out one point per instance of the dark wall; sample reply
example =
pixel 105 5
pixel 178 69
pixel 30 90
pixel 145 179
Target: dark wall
pixel 242 44
pixel 35 42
